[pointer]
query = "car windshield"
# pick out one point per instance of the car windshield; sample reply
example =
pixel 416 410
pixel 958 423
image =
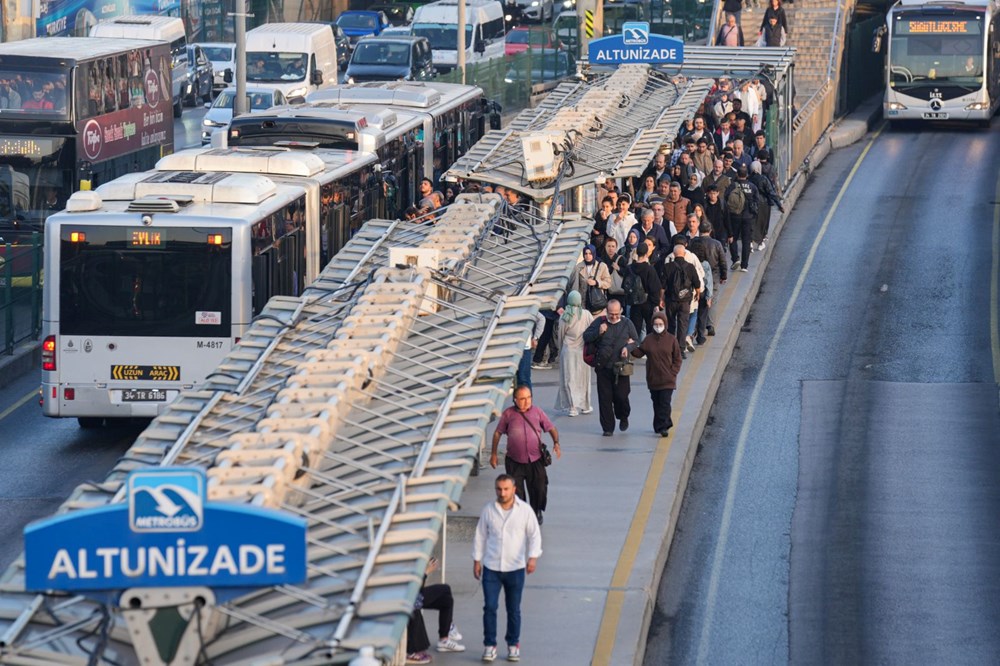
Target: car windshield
pixel 255 101
pixel 442 36
pixel 356 21
pixel 272 67
pixel 381 53
pixel 218 53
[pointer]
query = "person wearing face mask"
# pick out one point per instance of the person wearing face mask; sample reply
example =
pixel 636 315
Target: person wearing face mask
pixel 663 364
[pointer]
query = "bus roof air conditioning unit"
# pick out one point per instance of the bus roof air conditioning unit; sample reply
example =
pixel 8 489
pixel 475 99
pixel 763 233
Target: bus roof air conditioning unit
pixel 541 163
pixel 420 257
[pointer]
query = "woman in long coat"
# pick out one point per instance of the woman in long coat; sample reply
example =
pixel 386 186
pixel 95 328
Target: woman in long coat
pixel 574 374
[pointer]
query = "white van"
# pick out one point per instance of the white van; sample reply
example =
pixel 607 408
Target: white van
pixel 295 58
pixel 484 31
pixel 161 28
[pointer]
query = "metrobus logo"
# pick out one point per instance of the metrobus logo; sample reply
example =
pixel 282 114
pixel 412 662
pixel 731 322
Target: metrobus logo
pixel 93 139
pixel 166 501
pixel 152 88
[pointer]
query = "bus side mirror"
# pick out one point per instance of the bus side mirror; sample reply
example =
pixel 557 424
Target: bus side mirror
pixel 227 76
pixel 316 78
pixel 878 39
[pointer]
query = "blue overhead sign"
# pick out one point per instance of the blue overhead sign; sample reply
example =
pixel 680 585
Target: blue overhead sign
pixel 165 535
pixel 636 45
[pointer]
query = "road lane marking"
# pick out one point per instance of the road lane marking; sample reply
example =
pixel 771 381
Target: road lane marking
pixel 10 410
pixel 615 600
pixel 734 475
pixel 995 287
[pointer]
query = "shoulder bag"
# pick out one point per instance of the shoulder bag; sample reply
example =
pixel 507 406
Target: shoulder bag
pixel 543 450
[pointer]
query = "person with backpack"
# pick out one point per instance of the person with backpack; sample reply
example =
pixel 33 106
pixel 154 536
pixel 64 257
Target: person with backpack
pixel 742 203
pixel 642 290
pixel 663 364
pixel 680 287
pixel 613 337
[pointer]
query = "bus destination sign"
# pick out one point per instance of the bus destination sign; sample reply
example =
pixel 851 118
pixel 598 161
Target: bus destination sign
pixel 938 27
pixel 145 238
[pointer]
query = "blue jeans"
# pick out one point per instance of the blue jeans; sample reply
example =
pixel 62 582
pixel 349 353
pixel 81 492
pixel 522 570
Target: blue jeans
pixel 523 376
pixel 512 583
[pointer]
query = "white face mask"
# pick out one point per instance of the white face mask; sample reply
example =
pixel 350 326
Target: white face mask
pixel 658 328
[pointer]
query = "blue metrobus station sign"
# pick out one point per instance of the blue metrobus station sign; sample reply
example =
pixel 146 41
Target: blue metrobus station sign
pixel 165 535
pixel 636 45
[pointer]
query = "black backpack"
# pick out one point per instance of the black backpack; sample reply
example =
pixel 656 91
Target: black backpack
pixel 635 292
pixel 681 288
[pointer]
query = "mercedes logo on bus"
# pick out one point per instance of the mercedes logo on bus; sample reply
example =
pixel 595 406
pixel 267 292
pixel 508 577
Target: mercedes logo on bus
pixel 935 105
pixel 93 139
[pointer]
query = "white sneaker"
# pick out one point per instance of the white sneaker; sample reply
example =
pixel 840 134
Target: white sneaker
pixel 490 653
pixel 762 245
pixel 589 410
pixel 573 412
pixel 453 633
pixel 753 247
pixel 448 645
pixel 513 653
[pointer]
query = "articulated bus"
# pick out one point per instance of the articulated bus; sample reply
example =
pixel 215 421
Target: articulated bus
pixel 76 111
pixel 151 282
pixel 943 60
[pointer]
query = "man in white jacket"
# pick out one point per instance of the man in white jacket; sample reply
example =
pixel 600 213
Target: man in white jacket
pixel 507 546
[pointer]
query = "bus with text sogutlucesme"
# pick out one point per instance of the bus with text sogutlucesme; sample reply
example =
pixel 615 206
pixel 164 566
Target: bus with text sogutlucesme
pixel 943 60
pixel 76 112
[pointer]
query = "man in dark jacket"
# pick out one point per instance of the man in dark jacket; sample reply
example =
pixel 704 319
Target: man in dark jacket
pixel 641 314
pixel 716 214
pixel 709 250
pixel 741 221
pixel 768 198
pixel 615 337
pixel 663 364
pixel 680 282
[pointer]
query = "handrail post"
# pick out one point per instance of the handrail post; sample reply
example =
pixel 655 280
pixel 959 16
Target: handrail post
pixel 36 285
pixel 8 300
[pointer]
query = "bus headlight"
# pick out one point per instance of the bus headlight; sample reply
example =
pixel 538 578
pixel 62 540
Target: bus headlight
pixel 896 106
pixel 977 106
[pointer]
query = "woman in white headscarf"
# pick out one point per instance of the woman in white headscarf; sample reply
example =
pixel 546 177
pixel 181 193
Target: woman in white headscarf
pixel 574 373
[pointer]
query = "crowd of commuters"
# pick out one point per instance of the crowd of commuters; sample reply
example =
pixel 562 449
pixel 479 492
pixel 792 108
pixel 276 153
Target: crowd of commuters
pixel 773 31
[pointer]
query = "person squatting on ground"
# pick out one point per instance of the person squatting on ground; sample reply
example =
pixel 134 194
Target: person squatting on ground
pixel 663 364
pixel 615 337
pixel 524 424
pixel 432 597
pixel 506 548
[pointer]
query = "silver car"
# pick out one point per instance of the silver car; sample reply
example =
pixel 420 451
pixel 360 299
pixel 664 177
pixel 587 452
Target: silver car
pixel 220 112
pixel 223 57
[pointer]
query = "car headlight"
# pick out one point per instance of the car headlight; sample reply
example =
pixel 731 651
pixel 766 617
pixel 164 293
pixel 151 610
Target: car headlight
pixel 211 123
pixel 977 106
pixel 896 106
pixel 535 3
pixel 507 79
pixel 298 92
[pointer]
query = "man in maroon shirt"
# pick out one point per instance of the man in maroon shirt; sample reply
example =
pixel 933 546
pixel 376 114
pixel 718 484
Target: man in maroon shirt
pixel 524 424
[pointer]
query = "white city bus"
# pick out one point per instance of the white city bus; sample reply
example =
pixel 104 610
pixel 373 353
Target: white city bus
pixel 151 280
pixel 943 60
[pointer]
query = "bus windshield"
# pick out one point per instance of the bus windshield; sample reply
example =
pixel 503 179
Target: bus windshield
pixel 931 50
pixel 35 178
pixel 273 67
pixel 35 93
pixel 442 36
pixel 166 282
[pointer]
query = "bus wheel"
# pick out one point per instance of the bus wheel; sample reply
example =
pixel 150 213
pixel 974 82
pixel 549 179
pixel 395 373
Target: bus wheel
pixel 178 107
pixel 90 422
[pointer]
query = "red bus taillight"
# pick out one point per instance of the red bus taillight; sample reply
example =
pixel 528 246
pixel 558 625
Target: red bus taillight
pixel 49 354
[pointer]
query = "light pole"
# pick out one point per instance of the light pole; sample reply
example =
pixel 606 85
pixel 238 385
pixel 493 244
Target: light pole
pixel 461 38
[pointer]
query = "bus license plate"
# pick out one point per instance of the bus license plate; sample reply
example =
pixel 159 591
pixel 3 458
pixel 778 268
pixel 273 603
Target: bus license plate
pixel 930 115
pixel 144 395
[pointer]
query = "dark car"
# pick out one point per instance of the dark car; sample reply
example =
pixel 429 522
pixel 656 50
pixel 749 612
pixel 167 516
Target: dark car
pixel 391 58
pixel 358 23
pixel 201 76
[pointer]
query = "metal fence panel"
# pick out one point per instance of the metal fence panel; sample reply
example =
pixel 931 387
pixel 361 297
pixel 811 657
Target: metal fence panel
pixel 861 70
pixel 20 292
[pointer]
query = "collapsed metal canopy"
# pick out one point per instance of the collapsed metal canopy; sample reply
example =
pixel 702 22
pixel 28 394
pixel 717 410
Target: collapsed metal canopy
pixel 609 125
pixel 360 406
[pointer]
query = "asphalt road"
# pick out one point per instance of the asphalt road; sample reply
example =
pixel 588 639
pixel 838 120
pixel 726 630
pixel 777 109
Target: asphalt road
pixel 843 504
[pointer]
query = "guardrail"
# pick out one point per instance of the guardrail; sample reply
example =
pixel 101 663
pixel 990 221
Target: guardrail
pixel 20 292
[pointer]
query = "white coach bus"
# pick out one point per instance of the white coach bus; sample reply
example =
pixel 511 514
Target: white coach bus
pixel 943 61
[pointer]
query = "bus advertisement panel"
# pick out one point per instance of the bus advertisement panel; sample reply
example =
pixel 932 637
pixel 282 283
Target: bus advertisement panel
pixel 130 118
pixel 76 17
